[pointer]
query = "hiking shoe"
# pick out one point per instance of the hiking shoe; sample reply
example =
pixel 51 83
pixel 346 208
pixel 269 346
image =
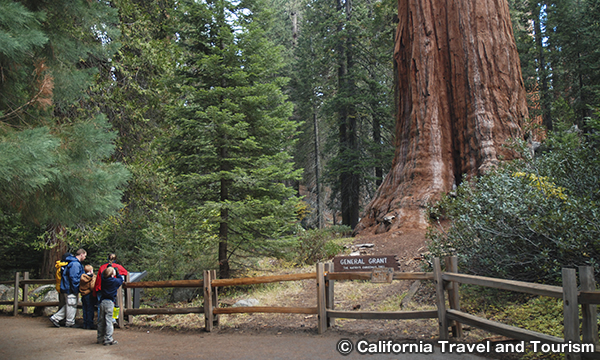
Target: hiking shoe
pixel 114 342
pixel 54 321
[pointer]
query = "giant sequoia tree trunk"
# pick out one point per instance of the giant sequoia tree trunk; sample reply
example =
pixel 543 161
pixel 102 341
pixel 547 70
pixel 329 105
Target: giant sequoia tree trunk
pixel 461 97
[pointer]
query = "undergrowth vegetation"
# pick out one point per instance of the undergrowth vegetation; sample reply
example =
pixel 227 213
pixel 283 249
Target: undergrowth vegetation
pixel 536 313
pixel 315 245
pixel 529 218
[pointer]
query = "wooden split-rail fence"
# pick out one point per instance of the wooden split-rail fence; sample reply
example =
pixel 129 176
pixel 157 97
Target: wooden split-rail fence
pixel 448 312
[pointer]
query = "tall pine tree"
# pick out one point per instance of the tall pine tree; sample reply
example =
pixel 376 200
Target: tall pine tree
pixel 231 131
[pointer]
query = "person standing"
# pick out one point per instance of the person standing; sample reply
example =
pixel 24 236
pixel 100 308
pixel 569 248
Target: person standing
pixel 60 266
pixel 111 263
pixel 111 281
pixel 88 301
pixel 69 285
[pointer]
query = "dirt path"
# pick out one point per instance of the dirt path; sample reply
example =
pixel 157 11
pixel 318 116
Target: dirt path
pixel 24 337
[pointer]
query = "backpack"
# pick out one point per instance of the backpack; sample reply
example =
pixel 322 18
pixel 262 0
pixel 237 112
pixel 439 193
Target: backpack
pixel 60 268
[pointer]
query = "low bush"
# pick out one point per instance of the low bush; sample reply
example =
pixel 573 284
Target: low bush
pixel 527 219
pixel 320 244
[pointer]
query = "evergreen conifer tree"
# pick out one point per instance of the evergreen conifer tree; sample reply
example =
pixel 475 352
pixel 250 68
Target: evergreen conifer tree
pixel 132 89
pixel 45 121
pixel 232 133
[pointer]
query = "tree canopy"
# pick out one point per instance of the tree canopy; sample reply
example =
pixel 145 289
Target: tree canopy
pixel 54 170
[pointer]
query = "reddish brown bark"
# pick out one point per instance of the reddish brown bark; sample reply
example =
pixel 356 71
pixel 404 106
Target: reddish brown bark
pixel 461 96
pixel 55 239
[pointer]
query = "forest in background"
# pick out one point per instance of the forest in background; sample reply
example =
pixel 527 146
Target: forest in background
pixel 189 135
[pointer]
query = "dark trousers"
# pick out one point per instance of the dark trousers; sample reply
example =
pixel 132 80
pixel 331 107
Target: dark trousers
pixel 87 303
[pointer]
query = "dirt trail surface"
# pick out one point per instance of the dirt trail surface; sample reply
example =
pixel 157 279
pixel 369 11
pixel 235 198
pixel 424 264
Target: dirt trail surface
pixel 24 337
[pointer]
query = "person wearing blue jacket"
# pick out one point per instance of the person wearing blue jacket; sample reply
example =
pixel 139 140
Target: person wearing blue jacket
pixel 69 285
pixel 111 281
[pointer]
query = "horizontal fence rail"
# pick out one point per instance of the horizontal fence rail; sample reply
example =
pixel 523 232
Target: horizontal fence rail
pixel 367 276
pixel 383 315
pixel 30 282
pixel 589 297
pixel 445 282
pixel 164 311
pixel 262 279
pixel 164 284
pixel 265 309
pixel 519 286
pixel 501 329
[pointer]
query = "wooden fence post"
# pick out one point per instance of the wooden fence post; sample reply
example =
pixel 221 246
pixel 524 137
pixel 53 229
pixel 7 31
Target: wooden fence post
pixel 215 298
pixel 571 309
pixel 589 311
pixel 25 290
pixel 453 295
pixel 16 298
pixel 329 294
pixel 321 309
pixel 121 308
pixel 440 299
pixel 208 309
pixel 128 300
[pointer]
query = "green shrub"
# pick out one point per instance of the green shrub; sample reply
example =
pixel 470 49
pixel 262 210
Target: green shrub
pixel 528 219
pixel 320 244
pixel 541 314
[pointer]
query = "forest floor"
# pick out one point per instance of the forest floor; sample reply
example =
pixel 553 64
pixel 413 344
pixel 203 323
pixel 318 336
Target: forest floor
pixel 349 295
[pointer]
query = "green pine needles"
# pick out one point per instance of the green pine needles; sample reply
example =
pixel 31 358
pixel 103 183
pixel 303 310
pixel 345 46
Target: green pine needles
pixel 232 133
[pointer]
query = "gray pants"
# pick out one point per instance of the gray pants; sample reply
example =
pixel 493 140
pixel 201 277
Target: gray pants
pixel 105 324
pixel 68 311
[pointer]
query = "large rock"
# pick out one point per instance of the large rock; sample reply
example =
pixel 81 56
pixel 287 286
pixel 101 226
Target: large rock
pixel 185 294
pixel 3 290
pixel 246 303
pixel 51 295
pixel 9 294
pixel 42 291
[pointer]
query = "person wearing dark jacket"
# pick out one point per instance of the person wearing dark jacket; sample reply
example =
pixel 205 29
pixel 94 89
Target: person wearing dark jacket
pixel 112 257
pixel 69 285
pixel 88 301
pixel 111 281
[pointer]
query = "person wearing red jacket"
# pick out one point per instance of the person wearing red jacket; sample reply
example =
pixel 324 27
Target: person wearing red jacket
pixel 111 262
pixel 108 297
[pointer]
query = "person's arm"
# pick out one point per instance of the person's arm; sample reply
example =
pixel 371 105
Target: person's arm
pixel 119 276
pixel 122 270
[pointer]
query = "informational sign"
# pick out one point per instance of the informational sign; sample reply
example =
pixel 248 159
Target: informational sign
pixel 364 263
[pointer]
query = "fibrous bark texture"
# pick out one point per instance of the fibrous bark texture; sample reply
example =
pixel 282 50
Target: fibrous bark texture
pixel 461 97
